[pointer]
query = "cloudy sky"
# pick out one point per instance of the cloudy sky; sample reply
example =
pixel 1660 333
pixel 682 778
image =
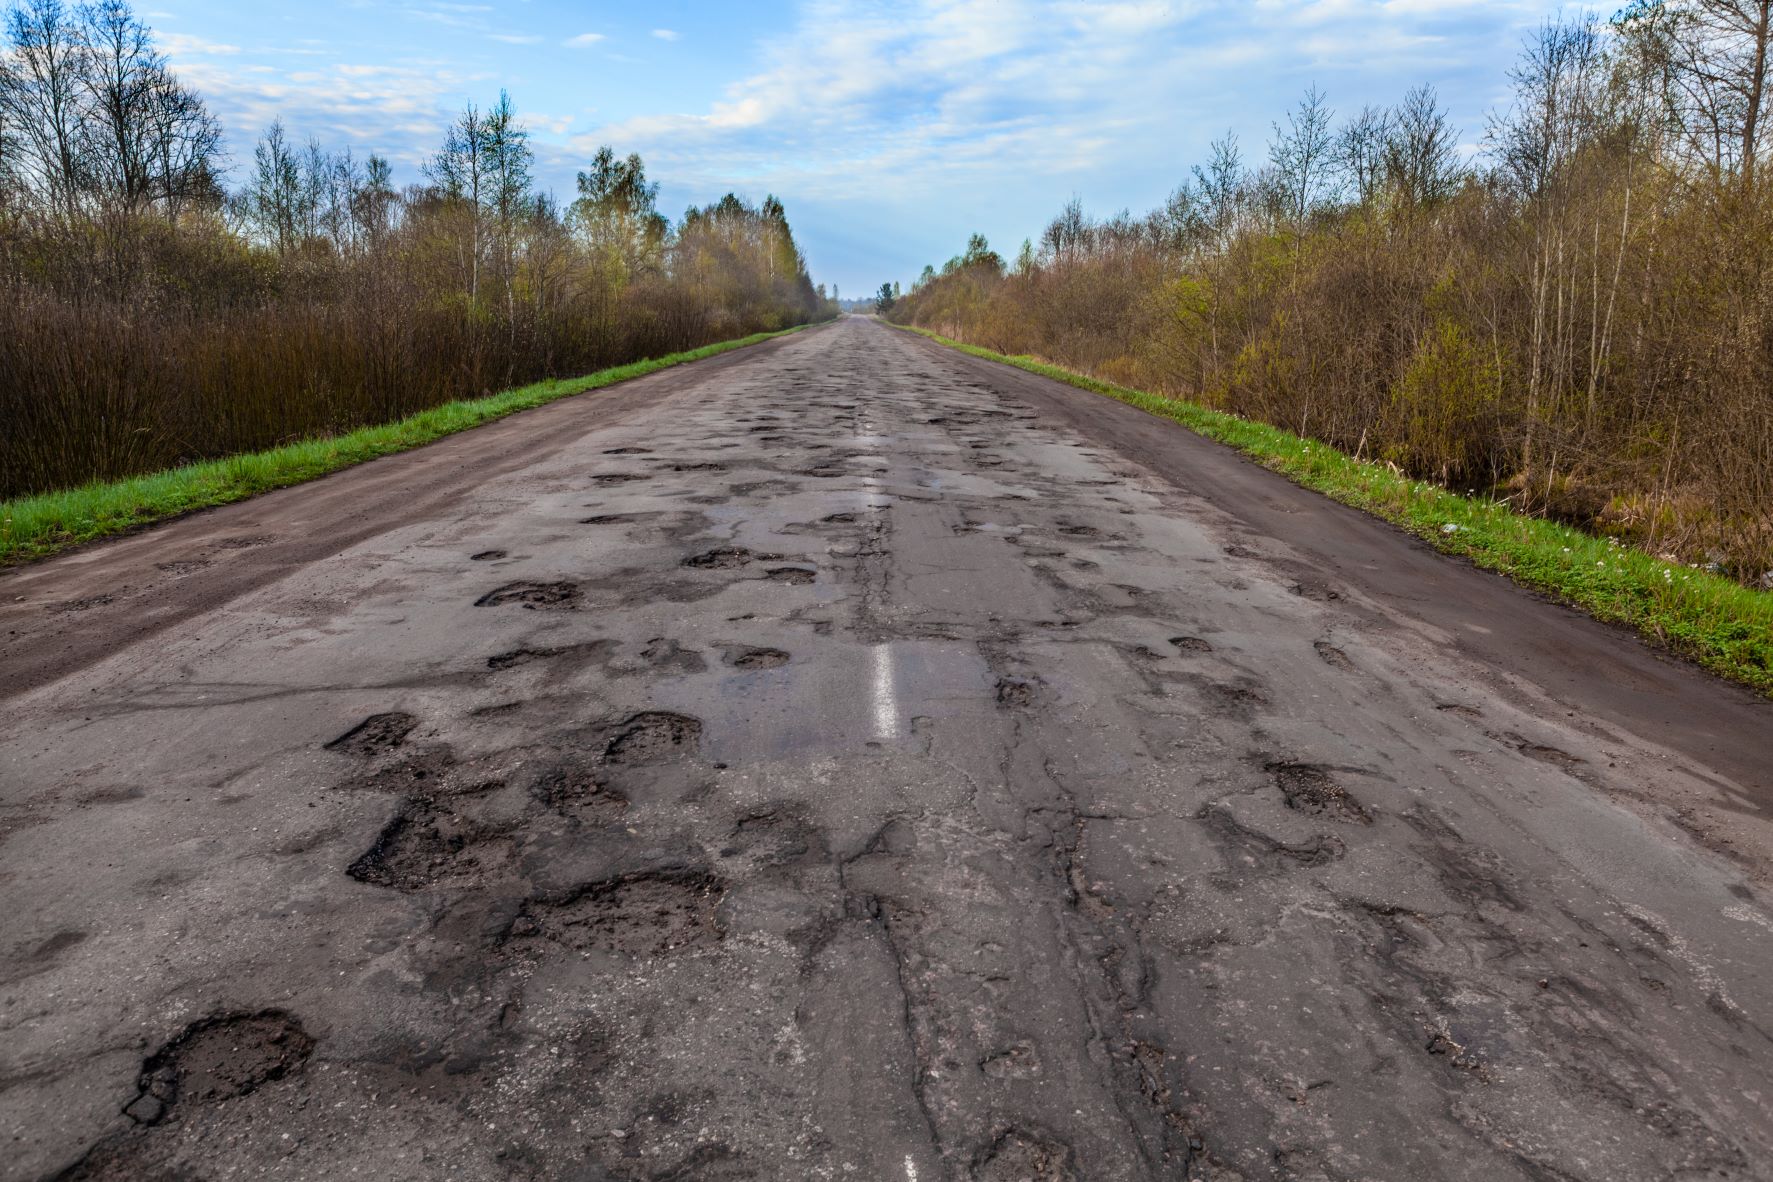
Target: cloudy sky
pixel 891 130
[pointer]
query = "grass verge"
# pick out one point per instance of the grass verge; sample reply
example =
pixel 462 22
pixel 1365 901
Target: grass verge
pixel 36 526
pixel 1715 621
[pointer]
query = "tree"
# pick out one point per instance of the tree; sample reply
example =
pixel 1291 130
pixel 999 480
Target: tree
pixel 979 254
pixel 1713 59
pixel 271 202
pixel 1220 186
pixel 40 96
pixel 458 171
pixel 506 164
pixel 1360 152
pixel 1421 162
pixel 883 300
pixel 148 137
pixel 617 212
pixel 1555 114
pixel 373 201
pixel 1301 155
pixel 91 116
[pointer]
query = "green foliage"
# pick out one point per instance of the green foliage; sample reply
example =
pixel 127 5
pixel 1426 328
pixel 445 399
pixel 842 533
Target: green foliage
pixel 1443 407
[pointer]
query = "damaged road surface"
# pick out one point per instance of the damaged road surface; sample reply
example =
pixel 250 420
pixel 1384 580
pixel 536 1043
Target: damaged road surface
pixel 848 759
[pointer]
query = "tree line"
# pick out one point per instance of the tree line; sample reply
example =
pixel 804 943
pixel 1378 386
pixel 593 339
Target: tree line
pixel 1576 320
pixel 153 312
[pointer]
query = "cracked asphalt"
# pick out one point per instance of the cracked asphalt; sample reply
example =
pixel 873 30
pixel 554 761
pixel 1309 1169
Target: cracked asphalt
pixel 848 759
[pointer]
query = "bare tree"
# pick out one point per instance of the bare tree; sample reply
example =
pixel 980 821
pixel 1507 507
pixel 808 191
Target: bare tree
pixel 1558 85
pixel 459 172
pixel 148 138
pixel 1360 152
pixel 93 116
pixel 1712 56
pixel 506 165
pixel 1221 186
pixel 373 201
pixel 1301 156
pixel 1068 235
pixel 40 102
pixel 1421 158
pixel 271 203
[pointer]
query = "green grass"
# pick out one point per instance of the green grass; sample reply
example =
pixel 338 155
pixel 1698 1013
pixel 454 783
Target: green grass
pixel 1715 621
pixel 36 526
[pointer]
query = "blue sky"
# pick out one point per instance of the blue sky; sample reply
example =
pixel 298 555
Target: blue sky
pixel 890 130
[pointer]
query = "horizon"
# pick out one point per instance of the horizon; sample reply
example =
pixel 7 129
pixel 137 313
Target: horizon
pixel 890 133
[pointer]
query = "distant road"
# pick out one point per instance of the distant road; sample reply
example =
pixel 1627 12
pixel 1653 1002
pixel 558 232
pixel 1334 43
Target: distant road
pixel 844 758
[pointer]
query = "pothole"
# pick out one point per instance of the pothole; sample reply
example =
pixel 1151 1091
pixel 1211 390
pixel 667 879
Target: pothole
pixel 81 605
pixel 430 772
pixel 1238 701
pixel 1316 591
pixel 653 736
pixel 489 555
pixel 798 576
pixel 757 658
pixel 1018 1156
pixel 532 595
pixel 772 836
pixel 430 845
pixel 573 789
pixel 1190 644
pixel 218 1059
pixel 1017 693
pixel 649 914
pixel 719 558
pixel 1311 789
pixel 1552 755
pixel 375 734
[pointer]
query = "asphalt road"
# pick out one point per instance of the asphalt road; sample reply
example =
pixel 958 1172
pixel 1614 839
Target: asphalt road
pixel 843 759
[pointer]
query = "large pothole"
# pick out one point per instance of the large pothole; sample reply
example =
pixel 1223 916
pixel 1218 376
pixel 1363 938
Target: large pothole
pixel 649 914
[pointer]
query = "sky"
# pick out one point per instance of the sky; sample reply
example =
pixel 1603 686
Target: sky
pixel 890 130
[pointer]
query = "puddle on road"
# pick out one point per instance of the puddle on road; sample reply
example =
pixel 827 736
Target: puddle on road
pixel 841 700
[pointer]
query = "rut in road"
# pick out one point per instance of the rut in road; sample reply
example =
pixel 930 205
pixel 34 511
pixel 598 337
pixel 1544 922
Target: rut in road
pixel 840 770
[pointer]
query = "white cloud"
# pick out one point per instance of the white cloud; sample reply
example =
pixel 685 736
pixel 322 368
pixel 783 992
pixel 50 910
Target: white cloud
pixel 864 96
pixel 516 38
pixel 667 34
pixel 583 40
pixel 183 45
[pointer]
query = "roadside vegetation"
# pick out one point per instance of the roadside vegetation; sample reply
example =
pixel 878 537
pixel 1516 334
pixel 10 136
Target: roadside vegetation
pixel 152 317
pixel 1707 617
pixel 1574 325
